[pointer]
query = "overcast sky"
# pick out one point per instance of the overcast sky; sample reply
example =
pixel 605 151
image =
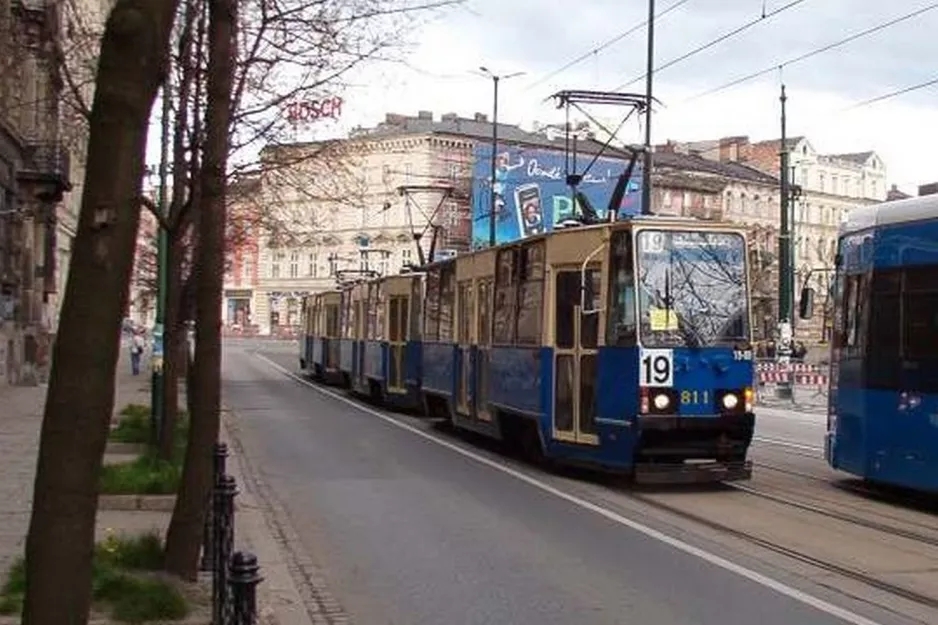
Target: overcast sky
pixel 541 36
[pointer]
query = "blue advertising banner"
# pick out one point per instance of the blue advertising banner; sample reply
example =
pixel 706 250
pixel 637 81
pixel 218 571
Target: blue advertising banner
pixel 531 192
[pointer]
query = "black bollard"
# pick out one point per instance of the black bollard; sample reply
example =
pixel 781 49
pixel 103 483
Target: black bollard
pixel 223 535
pixel 244 576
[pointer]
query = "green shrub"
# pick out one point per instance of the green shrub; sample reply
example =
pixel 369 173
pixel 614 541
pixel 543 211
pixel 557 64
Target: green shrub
pixel 142 552
pixel 133 426
pixel 129 596
pixel 147 475
pixel 14 589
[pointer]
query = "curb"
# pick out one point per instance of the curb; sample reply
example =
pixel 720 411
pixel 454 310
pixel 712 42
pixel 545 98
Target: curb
pixel 133 503
pixel 125 449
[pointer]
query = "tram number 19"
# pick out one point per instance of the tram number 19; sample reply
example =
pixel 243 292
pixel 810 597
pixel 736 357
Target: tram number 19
pixel 656 368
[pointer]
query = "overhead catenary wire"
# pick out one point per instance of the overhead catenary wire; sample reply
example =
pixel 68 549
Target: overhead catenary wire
pixel 892 94
pixel 714 42
pixel 609 42
pixel 816 51
pixel 823 119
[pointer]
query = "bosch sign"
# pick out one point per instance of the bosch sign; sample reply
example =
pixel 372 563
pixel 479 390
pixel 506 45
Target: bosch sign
pixel 312 110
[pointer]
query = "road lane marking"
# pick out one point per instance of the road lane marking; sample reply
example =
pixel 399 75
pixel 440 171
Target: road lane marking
pixel 763 580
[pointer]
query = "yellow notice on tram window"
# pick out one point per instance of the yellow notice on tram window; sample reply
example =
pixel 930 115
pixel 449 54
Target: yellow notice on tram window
pixel 662 320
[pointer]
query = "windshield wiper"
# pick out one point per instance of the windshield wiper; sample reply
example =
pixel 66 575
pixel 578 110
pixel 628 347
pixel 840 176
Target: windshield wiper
pixel 683 325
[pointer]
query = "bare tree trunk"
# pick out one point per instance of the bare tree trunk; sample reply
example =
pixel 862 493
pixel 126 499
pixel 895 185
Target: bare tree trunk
pixel 185 531
pixel 80 398
pixel 177 220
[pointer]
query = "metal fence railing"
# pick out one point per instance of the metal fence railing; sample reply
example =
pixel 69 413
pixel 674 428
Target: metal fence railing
pixel 235 576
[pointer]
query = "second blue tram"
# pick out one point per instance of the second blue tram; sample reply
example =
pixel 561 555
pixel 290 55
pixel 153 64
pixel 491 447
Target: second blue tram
pixel 882 420
pixel 624 346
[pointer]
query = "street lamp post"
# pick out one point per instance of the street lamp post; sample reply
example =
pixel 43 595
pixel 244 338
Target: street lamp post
pixel 157 408
pixel 492 207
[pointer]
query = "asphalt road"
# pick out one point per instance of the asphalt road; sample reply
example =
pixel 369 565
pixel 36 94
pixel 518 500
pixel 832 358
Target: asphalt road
pixel 411 531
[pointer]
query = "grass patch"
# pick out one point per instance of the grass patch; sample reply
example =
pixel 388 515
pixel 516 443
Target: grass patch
pixel 121 583
pixel 147 475
pixel 133 426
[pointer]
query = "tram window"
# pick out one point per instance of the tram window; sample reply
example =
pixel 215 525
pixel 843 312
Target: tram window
pixel 380 303
pixel 332 320
pixel 416 312
pixel 855 314
pixel 920 314
pixel 447 301
pixel 405 318
pixel 885 318
pixel 622 321
pixel 394 319
pixel 485 307
pixel 432 313
pixel 589 324
pixel 531 294
pixel 505 298
pixel 566 297
pixel 465 312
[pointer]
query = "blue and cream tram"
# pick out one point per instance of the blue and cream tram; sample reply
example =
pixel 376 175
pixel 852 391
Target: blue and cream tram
pixel 624 346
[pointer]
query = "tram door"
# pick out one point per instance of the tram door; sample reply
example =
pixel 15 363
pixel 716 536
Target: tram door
pixel 484 342
pixel 398 330
pixel 464 349
pixel 576 340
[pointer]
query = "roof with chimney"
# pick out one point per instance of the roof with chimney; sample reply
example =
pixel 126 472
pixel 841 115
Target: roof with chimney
pixel 726 169
pixel 790 142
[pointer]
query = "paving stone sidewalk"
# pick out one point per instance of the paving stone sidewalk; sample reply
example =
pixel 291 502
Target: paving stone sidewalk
pixel 20 421
pixel 280 602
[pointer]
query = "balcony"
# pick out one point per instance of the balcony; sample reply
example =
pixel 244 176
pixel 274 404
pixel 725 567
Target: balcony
pixel 47 167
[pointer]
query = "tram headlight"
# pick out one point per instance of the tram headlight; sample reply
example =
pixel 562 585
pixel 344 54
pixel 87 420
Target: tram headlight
pixel 730 401
pixel 662 401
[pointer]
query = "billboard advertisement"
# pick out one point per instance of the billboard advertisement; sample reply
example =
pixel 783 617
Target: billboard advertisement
pixel 532 195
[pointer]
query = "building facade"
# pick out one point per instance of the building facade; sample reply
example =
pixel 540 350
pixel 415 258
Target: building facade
pixel 369 205
pixel 42 46
pixel 825 188
pixel 242 257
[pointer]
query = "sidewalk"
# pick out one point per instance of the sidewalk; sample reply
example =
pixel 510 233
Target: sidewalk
pixel 20 421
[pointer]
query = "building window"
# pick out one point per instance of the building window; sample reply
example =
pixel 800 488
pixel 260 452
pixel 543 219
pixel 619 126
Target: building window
pixel 275 264
pixel 405 257
pixel 294 264
pixel 312 269
pixel 247 270
pixel 453 172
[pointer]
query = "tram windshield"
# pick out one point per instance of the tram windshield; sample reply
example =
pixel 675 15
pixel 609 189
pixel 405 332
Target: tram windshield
pixel 692 288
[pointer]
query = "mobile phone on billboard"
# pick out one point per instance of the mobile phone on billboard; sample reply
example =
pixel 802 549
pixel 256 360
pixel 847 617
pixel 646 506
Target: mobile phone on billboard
pixel 530 211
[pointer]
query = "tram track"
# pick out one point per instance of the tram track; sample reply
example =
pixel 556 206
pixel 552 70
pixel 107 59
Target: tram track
pixel 789 552
pixel 841 516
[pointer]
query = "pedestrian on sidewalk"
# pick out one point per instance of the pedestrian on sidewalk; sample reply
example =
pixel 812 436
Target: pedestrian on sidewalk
pixel 136 352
